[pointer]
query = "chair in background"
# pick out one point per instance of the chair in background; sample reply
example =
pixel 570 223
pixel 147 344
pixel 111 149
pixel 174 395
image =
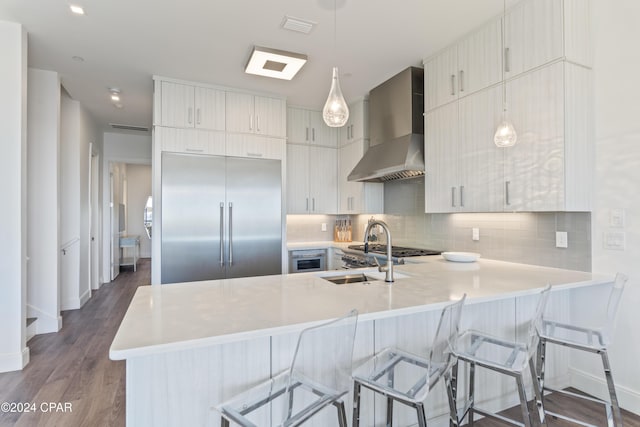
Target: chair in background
pixel 381 373
pixel 479 349
pixel 319 376
pixel 594 337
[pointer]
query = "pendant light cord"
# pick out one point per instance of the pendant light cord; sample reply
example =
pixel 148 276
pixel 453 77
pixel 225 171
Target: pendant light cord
pixel 335 31
pixel 504 58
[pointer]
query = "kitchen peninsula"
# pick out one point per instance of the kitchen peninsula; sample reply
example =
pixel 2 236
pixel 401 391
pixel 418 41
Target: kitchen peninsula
pixel 188 346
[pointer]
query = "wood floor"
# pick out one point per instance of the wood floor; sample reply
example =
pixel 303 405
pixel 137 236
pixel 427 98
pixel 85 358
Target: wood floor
pixel 73 366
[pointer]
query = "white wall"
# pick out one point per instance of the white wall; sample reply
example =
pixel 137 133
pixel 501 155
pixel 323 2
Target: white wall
pixel 14 353
pixel 118 148
pixel 138 190
pixel 617 112
pixel 43 144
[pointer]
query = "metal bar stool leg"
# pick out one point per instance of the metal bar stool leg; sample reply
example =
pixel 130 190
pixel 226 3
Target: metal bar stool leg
pixel 390 382
pixel 356 404
pixel 422 418
pixel 617 415
pixel 524 406
pixel 450 384
pixel 224 422
pixel 471 393
pixel 541 359
pixel 342 414
pixel 538 392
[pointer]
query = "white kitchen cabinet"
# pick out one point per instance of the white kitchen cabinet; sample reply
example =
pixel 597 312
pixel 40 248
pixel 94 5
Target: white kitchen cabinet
pixel 311 179
pixel 307 126
pixel 189 106
pixel 247 113
pixel 357 197
pixel 548 168
pixel 464 167
pixel 194 141
pixel 470 65
pixel 256 146
pixel 357 127
pixel 538 32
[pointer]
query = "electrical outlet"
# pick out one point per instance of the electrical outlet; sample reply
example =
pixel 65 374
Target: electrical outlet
pixel 562 241
pixel 614 240
pixel 323 227
pixel 475 234
pixel 616 218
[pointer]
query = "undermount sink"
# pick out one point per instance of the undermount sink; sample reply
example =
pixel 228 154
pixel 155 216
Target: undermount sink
pixel 349 278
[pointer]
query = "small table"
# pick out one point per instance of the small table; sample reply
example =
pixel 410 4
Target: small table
pixel 129 242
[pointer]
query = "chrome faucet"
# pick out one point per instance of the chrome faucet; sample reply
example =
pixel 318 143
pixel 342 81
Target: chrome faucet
pixel 388 269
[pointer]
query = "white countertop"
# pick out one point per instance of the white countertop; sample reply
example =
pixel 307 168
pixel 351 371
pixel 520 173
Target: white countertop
pixel 321 244
pixel 189 315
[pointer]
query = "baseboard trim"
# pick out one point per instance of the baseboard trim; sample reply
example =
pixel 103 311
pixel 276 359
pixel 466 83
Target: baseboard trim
pixel 46 323
pixel 85 297
pixel 628 398
pixel 14 361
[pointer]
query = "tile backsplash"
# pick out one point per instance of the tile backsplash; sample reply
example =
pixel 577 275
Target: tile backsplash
pixel 524 237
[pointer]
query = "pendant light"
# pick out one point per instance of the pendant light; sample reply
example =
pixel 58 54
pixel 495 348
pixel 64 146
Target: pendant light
pixel 335 112
pixel 505 135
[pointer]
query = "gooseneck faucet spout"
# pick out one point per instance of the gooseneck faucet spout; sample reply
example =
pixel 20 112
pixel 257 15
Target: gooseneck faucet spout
pixel 388 268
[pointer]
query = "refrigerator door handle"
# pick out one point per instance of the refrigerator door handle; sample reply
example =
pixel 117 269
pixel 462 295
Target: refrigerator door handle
pixel 230 234
pixel 221 234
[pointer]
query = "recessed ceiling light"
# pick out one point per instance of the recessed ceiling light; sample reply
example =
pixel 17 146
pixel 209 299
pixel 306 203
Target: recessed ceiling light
pixel 297 24
pixel 78 10
pixel 275 63
pixel 115 94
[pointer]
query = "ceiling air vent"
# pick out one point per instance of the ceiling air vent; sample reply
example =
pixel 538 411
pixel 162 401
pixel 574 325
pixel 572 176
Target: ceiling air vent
pixel 297 24
pixel 129 127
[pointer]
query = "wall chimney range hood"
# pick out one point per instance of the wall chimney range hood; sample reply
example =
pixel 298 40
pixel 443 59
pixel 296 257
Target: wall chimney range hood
pixel 396 130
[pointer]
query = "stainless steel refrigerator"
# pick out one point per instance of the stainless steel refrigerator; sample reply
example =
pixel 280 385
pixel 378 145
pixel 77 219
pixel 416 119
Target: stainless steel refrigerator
pixel 221 217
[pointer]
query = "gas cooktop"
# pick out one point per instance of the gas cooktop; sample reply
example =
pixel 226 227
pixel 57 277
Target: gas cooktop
pixel 396 251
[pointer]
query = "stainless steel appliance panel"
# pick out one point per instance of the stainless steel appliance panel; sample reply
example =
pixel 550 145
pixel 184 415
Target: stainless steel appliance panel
pixel 193 187
pixel 254 217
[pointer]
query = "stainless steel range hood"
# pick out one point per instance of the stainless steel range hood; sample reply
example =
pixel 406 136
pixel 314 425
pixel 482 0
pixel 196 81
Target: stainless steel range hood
pixel 396 130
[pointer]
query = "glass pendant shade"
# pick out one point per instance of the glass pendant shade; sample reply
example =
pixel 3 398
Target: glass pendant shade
pixel 505 135
pixel 335 112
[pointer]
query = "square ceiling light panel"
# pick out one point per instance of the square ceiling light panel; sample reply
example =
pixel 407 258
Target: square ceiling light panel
pixel 275 63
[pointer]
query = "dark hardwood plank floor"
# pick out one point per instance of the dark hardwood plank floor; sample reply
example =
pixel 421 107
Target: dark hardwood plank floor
pixel 73 365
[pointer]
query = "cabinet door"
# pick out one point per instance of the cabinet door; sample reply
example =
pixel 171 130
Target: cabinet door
pixel 261 147
pixel 298 175
pixel 320 133
pixel 480 59
pixel 210 110
pixel 356 127
pixel 533 35
pixel 239 115
pixel 176 105
pixel 441 159
pixel 534 168
pixel 351 193
pixel 270 116
pixel 480 162
pixel 323 180
pixel 298 125
pixel 441 77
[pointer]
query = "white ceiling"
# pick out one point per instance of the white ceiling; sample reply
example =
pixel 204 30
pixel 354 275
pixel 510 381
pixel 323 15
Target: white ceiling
pixel 124 43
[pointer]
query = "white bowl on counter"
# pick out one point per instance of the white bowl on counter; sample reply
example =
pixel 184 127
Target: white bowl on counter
pixel 461 256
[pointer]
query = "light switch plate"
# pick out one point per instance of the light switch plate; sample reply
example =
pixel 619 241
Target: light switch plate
pixel 562 240
pixel 614 240
pixel 616 218
pixel 323 227
pixel 475 234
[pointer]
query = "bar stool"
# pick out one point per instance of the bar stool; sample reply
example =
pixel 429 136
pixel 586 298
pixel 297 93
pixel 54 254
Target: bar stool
pixel 505 357
pixel 319 376
pixel 594 338
pixel 380 373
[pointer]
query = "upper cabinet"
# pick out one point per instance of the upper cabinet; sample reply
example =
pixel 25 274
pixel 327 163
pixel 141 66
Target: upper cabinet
pixel 470 65
pixel 247 113
pixel 357 126
pixel 541 31
pixel 188 106
pixel 307 127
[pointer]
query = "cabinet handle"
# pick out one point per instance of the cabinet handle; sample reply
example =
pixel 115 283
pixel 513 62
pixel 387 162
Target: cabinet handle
pixel 461 80
pixel 230 233
pixel 453 84
pixel 351 131
pixel 348 129
pixel 198 121
pixel 307 208
pixel 506 191
pixel 250 121
pixel 306 138
pixel 462 196
pixel 313 204
pixel 221 234
pixel 507 60
pixel 313 134
pixel 453 197
pixel 194 150
pixel 190 115
pixel 249 154
pixel 257 123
